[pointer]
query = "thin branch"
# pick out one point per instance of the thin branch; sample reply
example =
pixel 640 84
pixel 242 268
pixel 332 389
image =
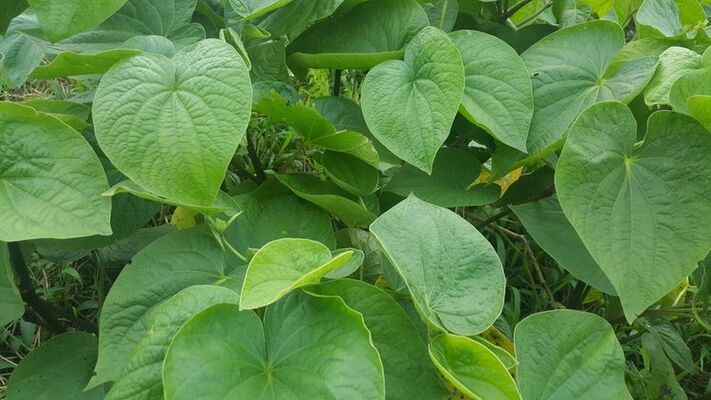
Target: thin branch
pixel 516 8
pixel 29 295
pixel 252 152
pixel 532 256
pixel 50 315
pixel 536 14
pixel 336 83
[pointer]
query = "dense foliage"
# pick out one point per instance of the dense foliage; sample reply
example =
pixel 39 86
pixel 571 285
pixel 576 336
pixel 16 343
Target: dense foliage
pixel 355 199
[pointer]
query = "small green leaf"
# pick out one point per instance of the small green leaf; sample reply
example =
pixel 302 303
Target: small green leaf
pixel 269 214
pixel 472 368
pixel 328 196
pixel 50 179
pixel 350 173
pixel 284 265
pixel 497 91
pixel 450 184
pixel 408 371
pixel 142 376
pixel 694 83
pixel 643 215
pixel 670 18
pixel 73 64
pixel 673 64
pixel 163 268
pixel 59 369
pixel 566 354
pixel 700 108
pixel 452 271
pixel 410 105
pixel 370 33
pixel 19 56
pixel 173 125
pixel 252 9
pixel 306 346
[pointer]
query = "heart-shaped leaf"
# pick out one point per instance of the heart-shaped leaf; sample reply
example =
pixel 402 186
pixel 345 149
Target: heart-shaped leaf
pixel 284 265
pixel 306 346
pixel 452 271
pixel 350 173
pixel 408 372
pixel 61 19
pixel 472 368
pixel 410 105
pixel 643 213
pixel 497 91
pixel 566 354
pixel 173 125
pixel 50 179
pixel 162 269
pixel 572 69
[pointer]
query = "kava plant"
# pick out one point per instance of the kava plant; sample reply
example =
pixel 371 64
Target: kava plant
pixel 355 199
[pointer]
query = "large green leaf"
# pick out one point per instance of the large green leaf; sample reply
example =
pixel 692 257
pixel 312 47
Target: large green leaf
pixel 472 368
pixel 73 64
pixel 59 369
pixel 694 83
pixel 370 33
pixel 570 71
pixel 268 216
pixel 173 125
pixel 409 374
pixel 450 184
pixel 497 91
pixel 306 347
pixel 670 18
pixel 452 271
pixel 568 354
pixel 673 64
pixel 61 19
pixel 142 376
pixel 545 222
pixel 162 269
pixel 328 196
pixel 284 265
pixel 643 215
pixel 11 305
pixel 50 179
pixel 410 105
